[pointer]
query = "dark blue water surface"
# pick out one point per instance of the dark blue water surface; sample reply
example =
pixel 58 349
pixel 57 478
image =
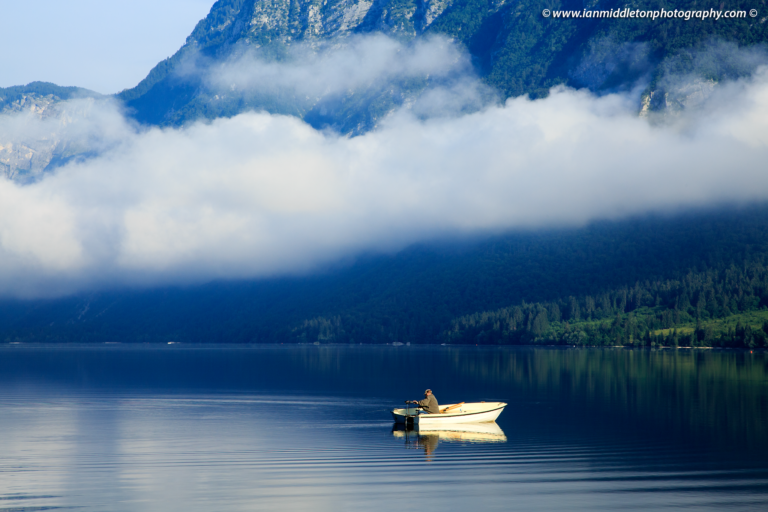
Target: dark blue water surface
pixel 212 428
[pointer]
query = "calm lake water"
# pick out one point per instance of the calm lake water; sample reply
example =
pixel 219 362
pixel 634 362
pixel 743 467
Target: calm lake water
pixel 166 428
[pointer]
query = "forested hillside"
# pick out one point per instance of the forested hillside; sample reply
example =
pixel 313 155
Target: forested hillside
pixel 721 308
pixel 607 283
pixel 696 278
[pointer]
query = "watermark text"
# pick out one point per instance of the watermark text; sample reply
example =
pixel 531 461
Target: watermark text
pixel 626 12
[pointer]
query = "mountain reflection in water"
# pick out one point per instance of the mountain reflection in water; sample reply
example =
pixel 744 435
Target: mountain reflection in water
pixel 308 428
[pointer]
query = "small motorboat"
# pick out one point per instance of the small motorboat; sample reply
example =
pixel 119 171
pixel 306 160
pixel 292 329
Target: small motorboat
pixel 473 412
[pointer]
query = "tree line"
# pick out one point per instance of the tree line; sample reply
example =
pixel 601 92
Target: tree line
pixel 705 308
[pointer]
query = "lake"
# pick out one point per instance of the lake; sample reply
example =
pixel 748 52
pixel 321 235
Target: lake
pixel 230 428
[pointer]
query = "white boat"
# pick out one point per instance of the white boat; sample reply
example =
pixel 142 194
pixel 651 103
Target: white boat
pixel 474 412
pixel 488 432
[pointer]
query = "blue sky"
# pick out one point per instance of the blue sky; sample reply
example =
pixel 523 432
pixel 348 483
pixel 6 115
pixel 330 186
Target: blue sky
pixel 103 45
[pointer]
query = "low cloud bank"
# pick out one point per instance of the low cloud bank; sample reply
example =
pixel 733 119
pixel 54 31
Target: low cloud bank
pixel 260 195
pixel 348 85
pixel 360 62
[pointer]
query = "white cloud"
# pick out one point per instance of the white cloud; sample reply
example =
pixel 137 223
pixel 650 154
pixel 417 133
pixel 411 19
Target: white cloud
pixel 260 194
pixel 336 68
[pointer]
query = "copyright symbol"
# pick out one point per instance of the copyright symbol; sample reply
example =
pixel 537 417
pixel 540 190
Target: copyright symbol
pixel 545 13
pixel 753 13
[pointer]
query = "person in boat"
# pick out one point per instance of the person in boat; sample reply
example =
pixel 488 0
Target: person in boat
pixel 429 403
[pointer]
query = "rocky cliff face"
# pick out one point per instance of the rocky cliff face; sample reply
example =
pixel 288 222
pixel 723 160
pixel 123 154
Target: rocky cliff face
pixel 32 102
pixel 25 160
pixel 514 48
pixel 33 119
pixel 266 21
pixel 39 128
pixel 273 30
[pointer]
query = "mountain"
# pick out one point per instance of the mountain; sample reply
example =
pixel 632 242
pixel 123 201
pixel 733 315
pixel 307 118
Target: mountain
pixel 640 278
pixel 37 96
pixel 24 160
pixel 514 49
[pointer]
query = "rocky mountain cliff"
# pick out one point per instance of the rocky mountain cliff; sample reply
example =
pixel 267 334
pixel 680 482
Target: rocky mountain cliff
pixel 514 49
pixel 171 96
pixel 24 159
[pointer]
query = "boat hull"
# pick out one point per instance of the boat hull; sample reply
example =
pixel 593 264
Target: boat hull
pixel 468 413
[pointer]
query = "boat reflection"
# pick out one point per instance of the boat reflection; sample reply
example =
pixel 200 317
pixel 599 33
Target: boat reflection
pixel 429 439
